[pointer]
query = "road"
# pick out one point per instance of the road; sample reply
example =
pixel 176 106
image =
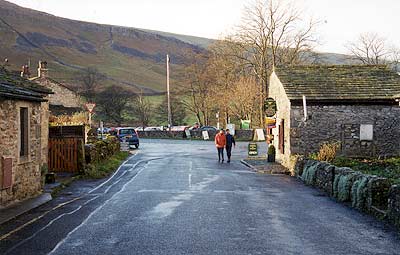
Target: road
pixel 174 197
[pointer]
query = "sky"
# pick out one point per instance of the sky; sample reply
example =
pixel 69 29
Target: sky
pixel 341 20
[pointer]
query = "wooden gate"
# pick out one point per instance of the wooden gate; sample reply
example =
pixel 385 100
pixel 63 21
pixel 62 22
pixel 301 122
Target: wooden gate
pixel 63 154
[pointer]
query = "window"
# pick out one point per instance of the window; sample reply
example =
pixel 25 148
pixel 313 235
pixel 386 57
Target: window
pixel 23 128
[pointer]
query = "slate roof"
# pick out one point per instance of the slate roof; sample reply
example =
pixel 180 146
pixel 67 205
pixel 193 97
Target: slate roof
pixel 37 80
pixel 366 83
pixel 13 86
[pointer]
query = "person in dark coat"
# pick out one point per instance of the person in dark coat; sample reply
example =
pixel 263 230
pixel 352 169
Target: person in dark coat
pixel 230 140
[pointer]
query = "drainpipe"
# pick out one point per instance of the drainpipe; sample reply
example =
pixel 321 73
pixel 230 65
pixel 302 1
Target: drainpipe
pixel 305 108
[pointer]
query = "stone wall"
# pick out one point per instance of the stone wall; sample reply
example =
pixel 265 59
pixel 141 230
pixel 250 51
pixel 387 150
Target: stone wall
pixel 240 135
pixel 367 193
pixel 277 92
pixel 155 134
pixel 330 123
pixel 62 95
pixel 26 171
pixel 394 205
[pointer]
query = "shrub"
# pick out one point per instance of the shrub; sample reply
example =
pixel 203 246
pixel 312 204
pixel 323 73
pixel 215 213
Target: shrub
pixel 98 170
pixel 271 150
pixel 328 152
pixel 102 149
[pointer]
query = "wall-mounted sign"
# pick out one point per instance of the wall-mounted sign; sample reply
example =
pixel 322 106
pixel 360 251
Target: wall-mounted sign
pixel 270 107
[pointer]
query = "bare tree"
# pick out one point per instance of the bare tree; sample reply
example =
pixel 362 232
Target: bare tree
pixel 370 49
pixel 245 93
pixel 272 33
pixel 142 109
pixel 113 103
pixel 178 111
pixel 91 79
pixel 199 81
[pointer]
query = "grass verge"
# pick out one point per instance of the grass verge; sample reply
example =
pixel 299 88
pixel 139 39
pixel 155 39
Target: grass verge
pixel 387 168
pixel 103 169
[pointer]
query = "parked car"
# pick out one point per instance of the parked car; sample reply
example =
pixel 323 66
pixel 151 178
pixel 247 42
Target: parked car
pixel 207 128
pixel 127 134
pixel 153 129
pixel 179 128
pixel 195 126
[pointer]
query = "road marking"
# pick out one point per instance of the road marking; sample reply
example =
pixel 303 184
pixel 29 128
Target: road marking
pixel 37 218
pixel 112 176
pixel 96 210
pixel 48 225
pixel 62 205
pixel 190 174
pixel 165 209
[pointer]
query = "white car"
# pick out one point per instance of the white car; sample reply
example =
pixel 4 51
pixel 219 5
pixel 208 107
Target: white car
pixel 153 129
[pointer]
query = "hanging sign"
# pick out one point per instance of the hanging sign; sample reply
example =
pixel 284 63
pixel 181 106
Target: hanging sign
pixel 270 107
pixel 270 122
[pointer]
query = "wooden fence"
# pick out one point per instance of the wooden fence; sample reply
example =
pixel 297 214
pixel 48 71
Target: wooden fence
pixel 64 154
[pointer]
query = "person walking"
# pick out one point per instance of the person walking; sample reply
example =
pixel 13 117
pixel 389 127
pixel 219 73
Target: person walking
pixel 230 140
pixel 220 142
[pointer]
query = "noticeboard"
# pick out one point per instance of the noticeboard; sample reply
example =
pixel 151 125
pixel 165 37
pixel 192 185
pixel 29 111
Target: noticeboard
pixel 205 135
pixel 259 135
pixel 231 128
pixel 124 146
pixel 187 133
pixel 252 149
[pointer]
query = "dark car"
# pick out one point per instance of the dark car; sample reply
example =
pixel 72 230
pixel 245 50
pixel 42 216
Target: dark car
pixel 127 134
pixel 207 128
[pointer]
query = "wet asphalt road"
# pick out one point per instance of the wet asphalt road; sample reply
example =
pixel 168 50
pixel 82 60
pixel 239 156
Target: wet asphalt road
pixel 174 197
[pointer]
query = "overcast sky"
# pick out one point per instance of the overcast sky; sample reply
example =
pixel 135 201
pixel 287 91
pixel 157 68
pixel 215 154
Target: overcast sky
pixel 342 20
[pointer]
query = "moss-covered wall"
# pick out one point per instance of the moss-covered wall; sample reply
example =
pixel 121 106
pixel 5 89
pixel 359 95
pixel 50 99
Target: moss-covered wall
pixel 367 193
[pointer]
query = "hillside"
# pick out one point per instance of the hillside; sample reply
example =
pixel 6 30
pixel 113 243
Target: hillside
pixel 128 56
pixel 131 57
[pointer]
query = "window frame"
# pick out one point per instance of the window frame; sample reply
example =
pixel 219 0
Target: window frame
pixel 24 157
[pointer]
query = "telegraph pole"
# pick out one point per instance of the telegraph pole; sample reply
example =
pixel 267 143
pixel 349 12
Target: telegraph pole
pixel 168 97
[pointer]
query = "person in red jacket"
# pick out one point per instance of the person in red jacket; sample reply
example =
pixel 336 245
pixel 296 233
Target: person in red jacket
pixel 220 142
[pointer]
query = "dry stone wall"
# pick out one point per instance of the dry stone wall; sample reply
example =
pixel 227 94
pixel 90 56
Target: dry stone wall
pixel 367 193
pixel 240 135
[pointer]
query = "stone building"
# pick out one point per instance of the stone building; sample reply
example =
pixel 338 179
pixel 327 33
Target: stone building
pixel 63 100
pixel 23 137
pixel 353 105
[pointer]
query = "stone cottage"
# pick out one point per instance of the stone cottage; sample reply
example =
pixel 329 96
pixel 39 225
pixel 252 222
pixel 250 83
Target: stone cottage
pixel 63 100
pixel 353 105
pixel 23 137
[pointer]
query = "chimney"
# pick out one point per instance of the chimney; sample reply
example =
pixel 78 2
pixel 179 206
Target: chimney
pixel 42 70
pixel 25 71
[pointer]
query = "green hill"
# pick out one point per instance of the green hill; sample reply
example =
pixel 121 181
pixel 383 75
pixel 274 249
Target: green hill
pixel 132 57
